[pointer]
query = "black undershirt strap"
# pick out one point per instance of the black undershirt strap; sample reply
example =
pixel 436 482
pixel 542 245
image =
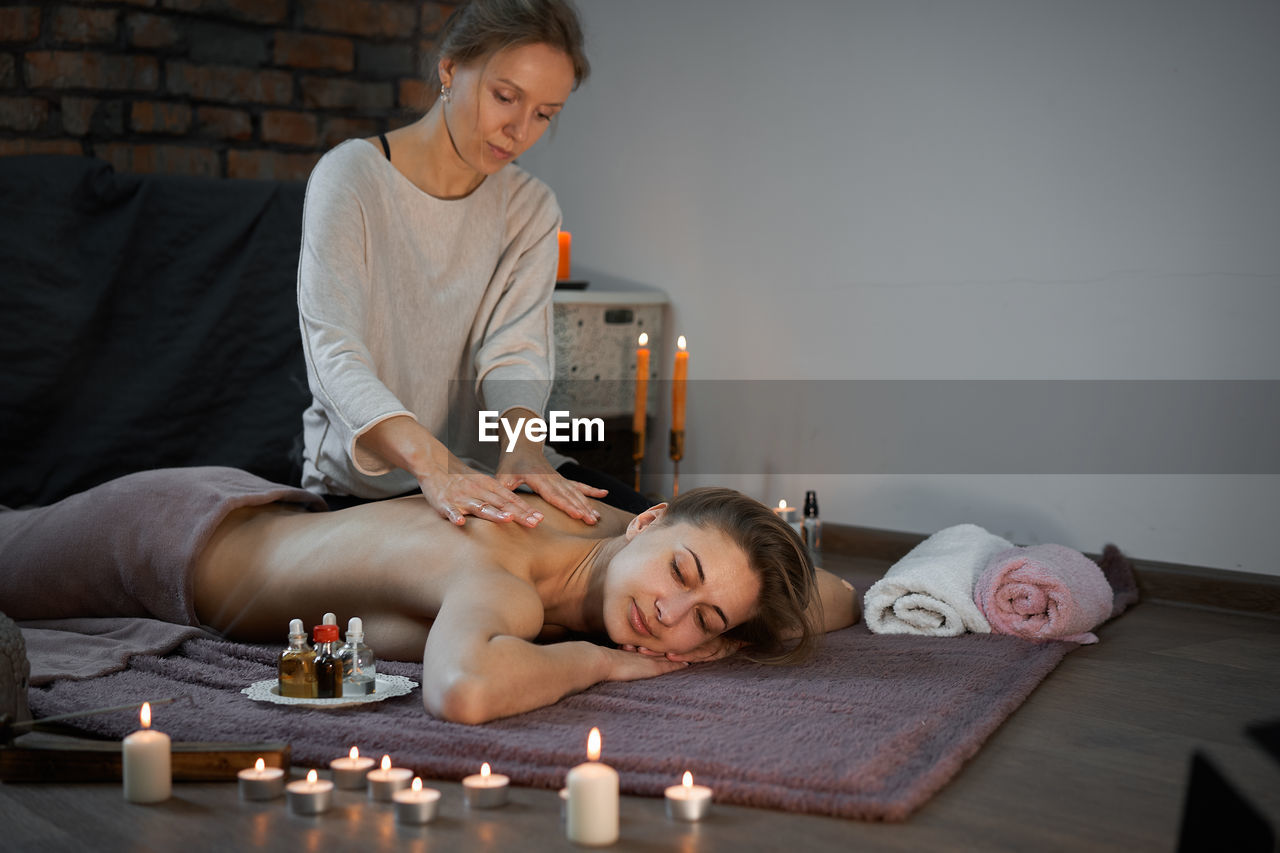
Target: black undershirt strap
pixel 386 148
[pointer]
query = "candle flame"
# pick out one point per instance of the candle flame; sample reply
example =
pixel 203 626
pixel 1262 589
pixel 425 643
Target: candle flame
pixel 680 343
pixel 354 754
pixel 593 745
pixel 312 776
pixel 782 504
pixel 386 762
pixel 145 715
pixel 259 765
pixel 644 339
pixel 484 770
pixel 417 784
pixel 687 781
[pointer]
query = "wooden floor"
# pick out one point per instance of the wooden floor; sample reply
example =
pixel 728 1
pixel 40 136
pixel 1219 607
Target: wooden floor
pixel 1095 760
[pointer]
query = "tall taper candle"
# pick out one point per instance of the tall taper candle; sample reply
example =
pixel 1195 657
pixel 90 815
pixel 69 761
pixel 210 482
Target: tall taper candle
pixel 678 378
pixel 641 404
pixel 642 384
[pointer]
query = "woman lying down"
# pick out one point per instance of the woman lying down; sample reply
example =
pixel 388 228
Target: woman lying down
pixel 492 608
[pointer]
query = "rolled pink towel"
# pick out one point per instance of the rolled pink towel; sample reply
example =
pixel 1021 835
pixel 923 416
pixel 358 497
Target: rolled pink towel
pixel 1044 592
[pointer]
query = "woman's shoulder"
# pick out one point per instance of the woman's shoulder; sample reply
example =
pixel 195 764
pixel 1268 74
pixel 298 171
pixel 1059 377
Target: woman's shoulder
pixel 354 160
pixel 528 195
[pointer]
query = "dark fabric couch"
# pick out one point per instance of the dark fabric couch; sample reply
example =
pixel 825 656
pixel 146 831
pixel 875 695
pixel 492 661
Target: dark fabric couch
pixel 145 322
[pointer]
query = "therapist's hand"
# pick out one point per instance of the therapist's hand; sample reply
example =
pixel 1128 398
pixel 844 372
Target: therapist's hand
pixel 528 466
pixel 461 491
pixel 451 488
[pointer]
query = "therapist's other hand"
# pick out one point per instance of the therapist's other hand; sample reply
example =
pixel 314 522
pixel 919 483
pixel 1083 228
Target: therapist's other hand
pixel 460 491
pixel 531 468
pixel 452 488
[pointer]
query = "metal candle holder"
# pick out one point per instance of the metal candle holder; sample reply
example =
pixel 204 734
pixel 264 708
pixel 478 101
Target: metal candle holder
pixel 637 454
pixel 677 453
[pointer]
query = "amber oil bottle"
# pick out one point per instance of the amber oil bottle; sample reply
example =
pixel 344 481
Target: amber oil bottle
pixel 296 668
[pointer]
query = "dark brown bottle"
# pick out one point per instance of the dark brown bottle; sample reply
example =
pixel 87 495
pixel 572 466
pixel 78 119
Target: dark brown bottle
pixel 328 664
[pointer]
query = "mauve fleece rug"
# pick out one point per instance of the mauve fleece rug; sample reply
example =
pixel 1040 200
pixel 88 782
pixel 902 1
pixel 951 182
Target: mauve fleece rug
pixel 870 729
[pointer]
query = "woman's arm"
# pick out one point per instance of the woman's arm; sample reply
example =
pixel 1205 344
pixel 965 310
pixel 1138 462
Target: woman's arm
pixel 334 281
pixel 477 665
pixel 838 604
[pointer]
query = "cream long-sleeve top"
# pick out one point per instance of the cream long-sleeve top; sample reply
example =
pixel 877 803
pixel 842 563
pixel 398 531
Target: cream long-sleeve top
pixel 415 305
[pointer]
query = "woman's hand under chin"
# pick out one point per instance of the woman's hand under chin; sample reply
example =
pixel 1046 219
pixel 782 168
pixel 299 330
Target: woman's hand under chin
pixel 713 649
pixel 630 666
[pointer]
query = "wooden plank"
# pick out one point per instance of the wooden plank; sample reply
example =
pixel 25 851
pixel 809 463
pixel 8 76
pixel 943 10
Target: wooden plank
pixel 42 757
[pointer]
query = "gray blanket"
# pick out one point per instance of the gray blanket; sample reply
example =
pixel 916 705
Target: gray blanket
pixel 870 729
pixel 123 549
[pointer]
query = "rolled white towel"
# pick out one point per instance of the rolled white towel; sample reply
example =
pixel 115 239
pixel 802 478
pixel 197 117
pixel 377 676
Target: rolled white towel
pixel 930 590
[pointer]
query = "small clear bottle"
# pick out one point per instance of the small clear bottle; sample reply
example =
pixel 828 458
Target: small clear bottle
pixel 328 666
pixel 296 668
pixel 359 668
pixel 813 529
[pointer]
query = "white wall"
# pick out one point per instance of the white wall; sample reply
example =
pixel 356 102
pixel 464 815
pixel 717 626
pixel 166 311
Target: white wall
pixel 977 189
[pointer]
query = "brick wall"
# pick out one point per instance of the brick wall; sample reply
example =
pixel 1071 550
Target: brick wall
pixel 229 88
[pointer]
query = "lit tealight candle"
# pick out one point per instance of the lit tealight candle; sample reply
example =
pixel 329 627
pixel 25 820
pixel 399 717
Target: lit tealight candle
pixel 350 770
pixel 688 801
pixel 791 516
pixel 592 816
pixel 309 796
pixel 416 804
pixel 679 375
pixel 261 782
pixel 148 768
pixel 565 240
pixel 386 780
pixel 485 790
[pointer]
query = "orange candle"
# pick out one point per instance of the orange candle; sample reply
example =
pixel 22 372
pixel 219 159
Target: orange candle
pixel 677 386
pixel 642 384
pixel 566 242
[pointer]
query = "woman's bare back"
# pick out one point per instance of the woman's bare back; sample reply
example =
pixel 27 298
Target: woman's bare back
pixel 389 562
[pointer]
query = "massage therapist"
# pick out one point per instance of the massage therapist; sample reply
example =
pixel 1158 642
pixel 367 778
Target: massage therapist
pixel 425 279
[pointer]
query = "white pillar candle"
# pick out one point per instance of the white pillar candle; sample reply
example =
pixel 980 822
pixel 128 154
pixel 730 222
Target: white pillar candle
pixel 350 770
pixel 688 801
pixel 386 780
pixel 416 804
pixel 148 768
pixel 310 796
pixel 592 815
pixel 485 790
pixel 261 782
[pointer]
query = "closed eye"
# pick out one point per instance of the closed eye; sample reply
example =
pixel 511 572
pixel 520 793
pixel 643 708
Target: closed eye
pixel 675 571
